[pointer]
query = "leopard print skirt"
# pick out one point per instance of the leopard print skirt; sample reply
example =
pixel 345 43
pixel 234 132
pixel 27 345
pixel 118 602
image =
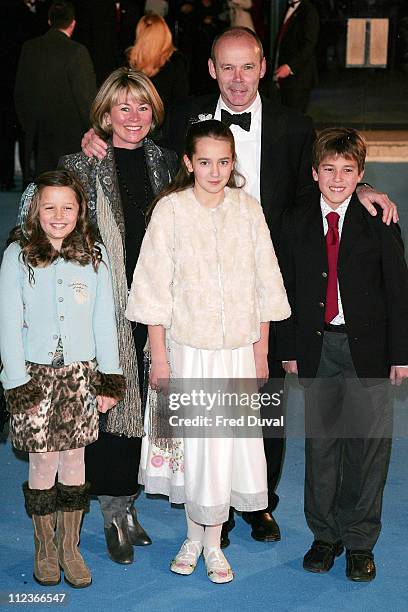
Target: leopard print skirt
pixel 68 414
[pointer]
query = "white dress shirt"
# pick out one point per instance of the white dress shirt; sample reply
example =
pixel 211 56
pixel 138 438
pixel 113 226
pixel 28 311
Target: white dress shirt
pixel 248 145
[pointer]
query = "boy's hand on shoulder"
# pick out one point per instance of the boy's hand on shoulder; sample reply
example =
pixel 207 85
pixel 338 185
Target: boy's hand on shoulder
pixel 290 367
pixel 369 196
pixel 105 403
pixel 398 374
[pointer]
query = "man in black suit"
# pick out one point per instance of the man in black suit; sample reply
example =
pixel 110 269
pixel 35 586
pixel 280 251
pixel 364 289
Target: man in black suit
pixel 347 283
pixel 295 61
pixel 274 146
pixel 55 86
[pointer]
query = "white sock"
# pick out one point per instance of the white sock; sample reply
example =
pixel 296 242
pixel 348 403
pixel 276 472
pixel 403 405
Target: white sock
pixel 212 536
pixel 195 531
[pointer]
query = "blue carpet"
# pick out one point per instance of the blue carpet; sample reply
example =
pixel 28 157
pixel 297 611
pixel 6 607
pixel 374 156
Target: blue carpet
pixel 268 576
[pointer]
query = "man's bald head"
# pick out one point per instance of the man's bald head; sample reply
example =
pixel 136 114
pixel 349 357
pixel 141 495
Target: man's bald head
pixel 236 33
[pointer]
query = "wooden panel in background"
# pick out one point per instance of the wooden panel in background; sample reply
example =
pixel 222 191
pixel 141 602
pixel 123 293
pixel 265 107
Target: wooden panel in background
pixel 367 43
pixel 356 36
pixel 378 42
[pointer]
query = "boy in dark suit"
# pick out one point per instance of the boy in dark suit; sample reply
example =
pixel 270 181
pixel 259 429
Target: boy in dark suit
pixel 347 282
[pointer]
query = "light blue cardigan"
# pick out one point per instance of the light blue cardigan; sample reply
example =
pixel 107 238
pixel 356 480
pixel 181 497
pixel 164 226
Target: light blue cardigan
pixel 66 300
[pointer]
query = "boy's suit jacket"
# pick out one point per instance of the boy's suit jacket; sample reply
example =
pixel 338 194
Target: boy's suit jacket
pixel 373 281
pixel 286 148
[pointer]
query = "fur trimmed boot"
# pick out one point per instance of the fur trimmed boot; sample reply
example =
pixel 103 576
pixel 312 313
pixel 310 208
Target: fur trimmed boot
pixel 72 501
pixel 41 506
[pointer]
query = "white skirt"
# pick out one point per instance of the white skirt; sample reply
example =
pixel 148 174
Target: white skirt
pixel 208 475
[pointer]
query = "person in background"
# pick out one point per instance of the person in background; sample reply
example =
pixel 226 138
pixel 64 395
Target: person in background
pixel 240 13
pixel 295 59
pixel 154 54
pixel 120 189
pixel 55 86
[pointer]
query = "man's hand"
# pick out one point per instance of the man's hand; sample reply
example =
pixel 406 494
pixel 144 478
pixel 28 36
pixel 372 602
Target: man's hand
pixel 398 374
pixel 282 72
pixel 368 196
pixel 105 403
pixel 92 145
pixel 290 367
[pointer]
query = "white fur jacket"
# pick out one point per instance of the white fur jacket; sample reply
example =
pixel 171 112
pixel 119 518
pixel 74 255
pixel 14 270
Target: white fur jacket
pixel 210 276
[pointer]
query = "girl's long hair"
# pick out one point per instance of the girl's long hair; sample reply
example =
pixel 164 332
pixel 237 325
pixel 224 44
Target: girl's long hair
pixel 79 246
pixel 153 45
pixel 184 179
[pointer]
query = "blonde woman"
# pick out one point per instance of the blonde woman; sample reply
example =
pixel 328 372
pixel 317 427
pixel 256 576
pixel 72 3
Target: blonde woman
pixel 120 189
pixel 155 55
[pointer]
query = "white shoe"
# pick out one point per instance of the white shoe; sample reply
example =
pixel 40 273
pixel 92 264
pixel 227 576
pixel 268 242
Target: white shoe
pixel 218 568
pixel 187 557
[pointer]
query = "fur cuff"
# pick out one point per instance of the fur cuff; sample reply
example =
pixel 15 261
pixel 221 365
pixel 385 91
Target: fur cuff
pixel 70 498
pixel 40 502
pixel 22 398
pixel 109 385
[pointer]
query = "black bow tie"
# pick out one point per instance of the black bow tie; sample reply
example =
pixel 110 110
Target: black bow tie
pixel 293 3
pixel 243 119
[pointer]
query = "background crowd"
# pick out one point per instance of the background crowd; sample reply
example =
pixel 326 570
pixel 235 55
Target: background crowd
pixel 110 33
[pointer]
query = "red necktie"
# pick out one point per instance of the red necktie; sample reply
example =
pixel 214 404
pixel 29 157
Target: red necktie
pixel 332 248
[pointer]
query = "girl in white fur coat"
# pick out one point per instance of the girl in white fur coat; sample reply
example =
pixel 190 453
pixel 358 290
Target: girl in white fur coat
pixel 207 283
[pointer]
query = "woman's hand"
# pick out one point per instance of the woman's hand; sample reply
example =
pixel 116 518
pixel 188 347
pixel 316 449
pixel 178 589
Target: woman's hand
pixel 92 145
pixel 105 403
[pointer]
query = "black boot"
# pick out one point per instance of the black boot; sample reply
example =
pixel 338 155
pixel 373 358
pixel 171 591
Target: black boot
pixel 120 548
pixel 137 534
pixel 117 536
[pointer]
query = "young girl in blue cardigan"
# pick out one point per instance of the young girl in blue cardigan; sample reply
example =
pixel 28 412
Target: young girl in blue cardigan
pixel 60 360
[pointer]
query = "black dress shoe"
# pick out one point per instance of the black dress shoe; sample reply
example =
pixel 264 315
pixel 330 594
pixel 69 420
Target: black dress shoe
pixel 120 548
pixel 360 565
pixel 226 528
pixel 320 557
pixel 137 534
pixel 264 526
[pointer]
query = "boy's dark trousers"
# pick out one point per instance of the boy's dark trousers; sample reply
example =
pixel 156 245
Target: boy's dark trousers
pixel 348 445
